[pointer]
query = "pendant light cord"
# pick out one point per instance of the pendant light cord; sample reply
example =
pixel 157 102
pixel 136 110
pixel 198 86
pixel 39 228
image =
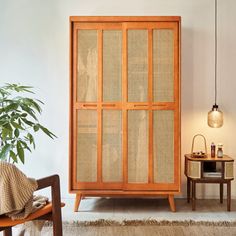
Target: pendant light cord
pixel 215 52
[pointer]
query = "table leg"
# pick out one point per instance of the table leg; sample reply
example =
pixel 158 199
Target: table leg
pixel 188 190
pixel 193 195
pixel 221 192
pixel 228 195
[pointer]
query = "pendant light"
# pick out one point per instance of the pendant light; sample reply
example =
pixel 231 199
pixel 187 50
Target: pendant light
pixel 215 116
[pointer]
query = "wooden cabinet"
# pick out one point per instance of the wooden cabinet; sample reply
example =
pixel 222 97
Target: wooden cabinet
pixel 125 106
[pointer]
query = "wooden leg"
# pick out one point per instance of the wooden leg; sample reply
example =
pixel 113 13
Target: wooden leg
pixel 171 202
pixel 7 232
pixel 77 202
pixel 188 189
pixel 221 192
pixel 228 195
pixel 193 195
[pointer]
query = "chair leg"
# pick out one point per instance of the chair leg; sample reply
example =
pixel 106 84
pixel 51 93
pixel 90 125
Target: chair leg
pixel 7 232
pixel 57 227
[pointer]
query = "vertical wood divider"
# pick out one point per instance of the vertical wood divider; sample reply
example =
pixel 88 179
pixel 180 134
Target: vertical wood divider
pixel 150 98
pixel 99 106
pixel 177 155
pixel 124 103
pixel 74 100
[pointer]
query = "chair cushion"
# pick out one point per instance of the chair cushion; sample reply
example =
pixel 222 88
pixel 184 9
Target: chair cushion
pixel 8 222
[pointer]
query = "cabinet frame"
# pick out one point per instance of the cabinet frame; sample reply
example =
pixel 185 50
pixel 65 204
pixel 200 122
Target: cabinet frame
pixel 123 188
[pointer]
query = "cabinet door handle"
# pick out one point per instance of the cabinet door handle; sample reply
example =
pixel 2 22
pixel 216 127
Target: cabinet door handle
pixel 140 105
pixel 159 105
pixel 89 105
pixel 108 105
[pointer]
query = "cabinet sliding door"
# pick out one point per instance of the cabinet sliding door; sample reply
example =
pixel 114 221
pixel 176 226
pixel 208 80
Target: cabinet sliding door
pixel 152 104
pixel 97 79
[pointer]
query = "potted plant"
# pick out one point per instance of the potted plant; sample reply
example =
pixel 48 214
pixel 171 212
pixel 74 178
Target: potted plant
pixel 18 122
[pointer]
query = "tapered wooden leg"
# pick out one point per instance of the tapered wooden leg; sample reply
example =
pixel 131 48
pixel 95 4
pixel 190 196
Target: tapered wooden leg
pixel 7 232
pixel 171 202
pixel 193 195
pixel 77 202
pixel 188 190
pixel 221 192
pixel 228 195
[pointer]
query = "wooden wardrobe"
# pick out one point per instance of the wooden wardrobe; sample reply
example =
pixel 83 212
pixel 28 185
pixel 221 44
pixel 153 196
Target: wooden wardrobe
pixel 124 107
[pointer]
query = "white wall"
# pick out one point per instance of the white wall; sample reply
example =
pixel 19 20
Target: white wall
pixel 34 50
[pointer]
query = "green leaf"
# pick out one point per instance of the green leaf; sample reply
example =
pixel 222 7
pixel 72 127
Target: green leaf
pixel 4 152
pixel 23 115
pixel 31 103
pixel 39 101
pixel 4 117
pixel 13 156
pixel 16 133
pixel 31 139
pixel 3 122
pixel 25 146
pixel 36 127
pixel 28 110
pixel 20 152
pixel 11 107
pixel 5 133
pixel 28 122
pixel 18 88
pixel 8 126
pixel 26 89
pixel 36 106
pixel 15 125
pixel 47 132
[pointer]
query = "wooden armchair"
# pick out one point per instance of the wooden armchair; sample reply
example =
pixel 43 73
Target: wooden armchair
pixel 52 211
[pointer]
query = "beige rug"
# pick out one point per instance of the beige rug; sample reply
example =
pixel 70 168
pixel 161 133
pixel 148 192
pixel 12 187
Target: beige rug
pixel 149 228
pixel 147 217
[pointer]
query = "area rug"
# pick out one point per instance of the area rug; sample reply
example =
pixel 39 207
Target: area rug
pixel 150 222
pixel 147 227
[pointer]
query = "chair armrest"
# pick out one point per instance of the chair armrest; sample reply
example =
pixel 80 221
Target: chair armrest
pixel 53 182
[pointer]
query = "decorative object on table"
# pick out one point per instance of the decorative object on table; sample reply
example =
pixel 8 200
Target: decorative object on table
pixel 199 154
pixel 215 116
pixel 18 119
pixel 213 150
pixel 220 150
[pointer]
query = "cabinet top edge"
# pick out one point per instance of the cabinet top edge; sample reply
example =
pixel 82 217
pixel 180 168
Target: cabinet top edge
pixel 209 158
pixel 123 18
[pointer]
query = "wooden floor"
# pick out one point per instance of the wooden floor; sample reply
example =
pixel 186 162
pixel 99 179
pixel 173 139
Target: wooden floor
pixel 92 209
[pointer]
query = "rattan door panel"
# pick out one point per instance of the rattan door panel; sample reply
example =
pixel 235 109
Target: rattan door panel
pixel 137 146
pixel 86 146
pixel 112 65
pixel 163 65
pixel 112 146
pixel 137 65
pixel 163 146
pixel 87 65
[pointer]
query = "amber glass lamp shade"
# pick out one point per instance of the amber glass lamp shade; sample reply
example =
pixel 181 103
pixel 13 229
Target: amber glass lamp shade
pixel 215 117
